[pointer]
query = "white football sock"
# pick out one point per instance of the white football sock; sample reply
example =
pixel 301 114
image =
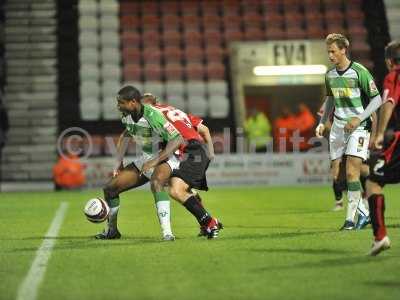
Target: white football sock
pixel 164 216
pixel 354 198
pixel 112 218
pixel 363 207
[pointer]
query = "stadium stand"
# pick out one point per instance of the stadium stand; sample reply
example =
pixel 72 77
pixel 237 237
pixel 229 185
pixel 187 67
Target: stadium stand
pixel 177 50
pixel 31 90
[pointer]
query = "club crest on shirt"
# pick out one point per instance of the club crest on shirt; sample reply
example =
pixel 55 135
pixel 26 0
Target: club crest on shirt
pixel 372 87
pixel 169 127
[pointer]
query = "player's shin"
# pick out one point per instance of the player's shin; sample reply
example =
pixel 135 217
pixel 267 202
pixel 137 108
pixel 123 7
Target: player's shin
pixel 377 210
pixel 197 210
pixel 112 217
pixel 163 212
pixel 354 197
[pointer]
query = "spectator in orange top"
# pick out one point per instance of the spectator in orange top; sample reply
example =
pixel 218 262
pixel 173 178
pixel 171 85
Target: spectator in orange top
pixel 283 130
pixel 68 173
pixel 305 124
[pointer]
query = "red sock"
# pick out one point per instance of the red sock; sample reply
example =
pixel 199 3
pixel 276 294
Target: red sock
pixel 377 210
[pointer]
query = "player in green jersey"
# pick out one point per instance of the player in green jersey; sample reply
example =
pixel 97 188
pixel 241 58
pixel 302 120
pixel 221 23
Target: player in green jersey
pixel 148 127
pixel 352 93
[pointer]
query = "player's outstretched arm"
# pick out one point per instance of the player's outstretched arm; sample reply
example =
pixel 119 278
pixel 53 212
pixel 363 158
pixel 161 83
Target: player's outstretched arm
pixel 122 143
pixel 328 107
pixel 205 133
pixel 169 149
pixel 384 116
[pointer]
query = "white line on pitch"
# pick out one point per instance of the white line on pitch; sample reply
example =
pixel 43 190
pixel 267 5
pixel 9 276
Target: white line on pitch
pixel 29 287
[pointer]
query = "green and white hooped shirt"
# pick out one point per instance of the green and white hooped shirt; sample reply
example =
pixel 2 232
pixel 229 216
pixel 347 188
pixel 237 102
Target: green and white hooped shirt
pixel 351 90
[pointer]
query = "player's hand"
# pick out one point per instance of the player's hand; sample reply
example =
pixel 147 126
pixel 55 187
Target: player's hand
pixel 352 124
pixel 378 142
pixel 319 131
pixel 118 170
pixel 147 166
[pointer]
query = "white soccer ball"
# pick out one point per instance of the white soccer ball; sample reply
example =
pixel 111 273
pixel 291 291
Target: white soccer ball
pixel 96 210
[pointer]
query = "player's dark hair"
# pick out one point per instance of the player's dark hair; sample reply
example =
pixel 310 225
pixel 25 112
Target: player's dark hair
pixel 392 51
pixel 129 93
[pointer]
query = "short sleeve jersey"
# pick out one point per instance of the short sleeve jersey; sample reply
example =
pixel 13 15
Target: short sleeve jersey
pixel 351 90
pixel 150 129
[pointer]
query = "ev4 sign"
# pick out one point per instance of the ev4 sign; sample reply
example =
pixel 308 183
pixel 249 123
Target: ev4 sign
pixel 291 53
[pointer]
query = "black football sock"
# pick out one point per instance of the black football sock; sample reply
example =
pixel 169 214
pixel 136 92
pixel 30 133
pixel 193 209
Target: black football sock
pixel 197 210
pixel 338 189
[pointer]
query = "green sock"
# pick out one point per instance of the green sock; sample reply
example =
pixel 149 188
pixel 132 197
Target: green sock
pixel 163 211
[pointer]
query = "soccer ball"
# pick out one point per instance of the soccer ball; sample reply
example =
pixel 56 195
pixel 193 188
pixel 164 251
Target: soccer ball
pixel 96 210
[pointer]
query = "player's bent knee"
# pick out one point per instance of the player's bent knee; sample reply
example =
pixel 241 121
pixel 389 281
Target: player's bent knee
pixel 110 191
pixel 157 185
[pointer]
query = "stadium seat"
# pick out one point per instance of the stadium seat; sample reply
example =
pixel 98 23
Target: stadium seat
pixel 88 22
pixel 109 88
pixel 89 72
pixel 219 106
pixel 152 72
pixel 194 71
pixel 177 101
pixel 131 55
pixel 150 22
pixel 172 54
pixel 109 23
pixel 110 72
pixel 89 55
pixel 174 88
pixel 87 8
pixel 275 33
pixel 197 105
pixel 173 71
pixel 211 7
pixel 170 7
pixel 252 20
pixel 171 37
pixel 89 89
pixel 193 38
pixel 170 22
pixel 129 22
pixel 295 33
pixel 130 38
pixel 155 87
pixel 254 34
pixel 212 36
pixel 151 54
pixel 196 88
pixel 231 35
pixel 149 7
pixel 109 7
pixel 211 21
pixel 191 22
pixel 128 7
pixel 215 71
pixel 132 72
pixel 150 38
pixel 110 55
pixel 90 109
pixel 217 88
pixel 214 54
pixel 194 54
pixel 109 38
pixel 190 8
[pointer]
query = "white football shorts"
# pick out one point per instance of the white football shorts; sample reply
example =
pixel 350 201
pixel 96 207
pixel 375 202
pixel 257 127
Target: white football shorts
pixel 173 163
pixel 354 144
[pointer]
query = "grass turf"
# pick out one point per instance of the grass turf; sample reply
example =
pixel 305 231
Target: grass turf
pixel 279 243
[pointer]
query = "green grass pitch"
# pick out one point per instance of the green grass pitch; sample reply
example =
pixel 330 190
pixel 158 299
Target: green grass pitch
pixel 279 243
